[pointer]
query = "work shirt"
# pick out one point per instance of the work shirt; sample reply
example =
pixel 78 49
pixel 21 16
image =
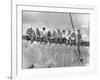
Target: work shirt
pixel 79 37
pixel 63 35
pixel 73 36
pixel 44 33
pixel 54 34
pixel 38 33
pixel 59 35
pixel 49 34
pixel 30 31
pixel 68 36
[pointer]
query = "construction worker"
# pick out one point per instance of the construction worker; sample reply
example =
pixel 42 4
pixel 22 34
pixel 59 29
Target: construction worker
pixel 37 32
pixel 69 37
pixel 54 37
pixel 54 34
pixel 59 36
pixel 79 40
pixel 44 32
pixel 79 37
pixel 44 35
pixel 73 38
pixel 64 36
pixel 38 35
pixel 30 33
pixel 59 33
pixel 49 36
pixel 33 36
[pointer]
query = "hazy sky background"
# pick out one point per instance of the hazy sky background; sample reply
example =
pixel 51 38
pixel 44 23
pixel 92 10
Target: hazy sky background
pixel 56 20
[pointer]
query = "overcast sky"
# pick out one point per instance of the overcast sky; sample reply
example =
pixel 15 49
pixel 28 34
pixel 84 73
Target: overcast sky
pixel 56 21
